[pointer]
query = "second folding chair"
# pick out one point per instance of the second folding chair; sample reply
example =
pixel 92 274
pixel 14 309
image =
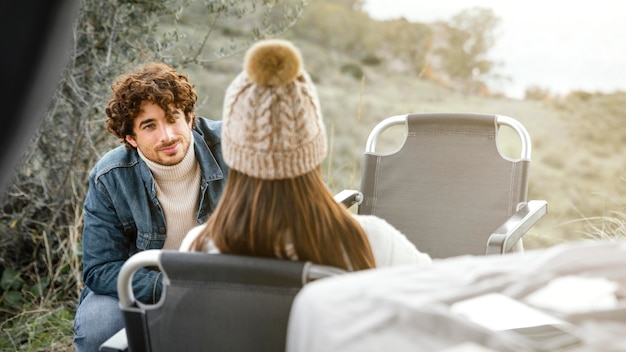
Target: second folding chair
pixel 449 188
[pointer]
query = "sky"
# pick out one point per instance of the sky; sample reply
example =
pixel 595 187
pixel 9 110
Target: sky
pixel 557 45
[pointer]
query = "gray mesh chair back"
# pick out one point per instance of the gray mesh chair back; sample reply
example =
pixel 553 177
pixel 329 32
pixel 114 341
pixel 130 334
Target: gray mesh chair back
pixel 214 302
pixel 448 188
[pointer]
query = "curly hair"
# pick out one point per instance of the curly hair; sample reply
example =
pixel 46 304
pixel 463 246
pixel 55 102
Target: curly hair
pixel 154 83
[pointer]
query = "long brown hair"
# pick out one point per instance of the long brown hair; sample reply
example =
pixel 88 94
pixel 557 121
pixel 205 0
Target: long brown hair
pixel 266 217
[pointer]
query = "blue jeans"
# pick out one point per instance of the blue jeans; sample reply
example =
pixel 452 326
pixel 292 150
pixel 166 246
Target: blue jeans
pixel 98 317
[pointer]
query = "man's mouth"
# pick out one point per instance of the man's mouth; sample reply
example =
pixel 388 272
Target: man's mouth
pixel 171 149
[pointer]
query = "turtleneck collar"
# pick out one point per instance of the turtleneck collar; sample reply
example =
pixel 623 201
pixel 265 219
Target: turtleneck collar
pixel 165 173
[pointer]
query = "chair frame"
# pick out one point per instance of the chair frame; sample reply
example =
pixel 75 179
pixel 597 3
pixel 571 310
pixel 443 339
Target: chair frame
pixel 370 145
pixel 506 237
pixel 133 310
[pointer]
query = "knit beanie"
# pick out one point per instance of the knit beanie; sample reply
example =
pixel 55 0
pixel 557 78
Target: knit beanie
pixel 272 123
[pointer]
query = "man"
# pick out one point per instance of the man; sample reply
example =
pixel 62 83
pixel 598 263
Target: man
pixel 146 194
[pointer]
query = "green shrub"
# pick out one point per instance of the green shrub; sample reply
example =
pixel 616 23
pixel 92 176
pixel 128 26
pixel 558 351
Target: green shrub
pixel 371 60
pixel 353 70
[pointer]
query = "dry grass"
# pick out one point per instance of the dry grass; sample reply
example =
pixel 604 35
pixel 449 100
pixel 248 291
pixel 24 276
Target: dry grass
pixel 575 170
pixel 577 161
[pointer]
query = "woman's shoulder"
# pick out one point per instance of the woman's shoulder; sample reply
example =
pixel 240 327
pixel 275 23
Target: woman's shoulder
pixel 390 246
pixel 372 221
pixel 185 245
pixel 377 229
pixel 208 247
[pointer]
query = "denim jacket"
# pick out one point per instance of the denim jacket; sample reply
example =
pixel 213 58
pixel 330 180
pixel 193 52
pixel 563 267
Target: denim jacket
pixel 123 215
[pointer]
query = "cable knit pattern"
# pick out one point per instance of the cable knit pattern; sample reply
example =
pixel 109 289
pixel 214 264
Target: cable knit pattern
pixel 273 132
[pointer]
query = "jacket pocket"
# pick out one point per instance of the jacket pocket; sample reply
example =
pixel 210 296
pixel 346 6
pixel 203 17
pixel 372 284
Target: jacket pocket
pixel 146 240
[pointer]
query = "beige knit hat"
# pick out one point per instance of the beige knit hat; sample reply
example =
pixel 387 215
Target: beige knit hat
pixel 272 123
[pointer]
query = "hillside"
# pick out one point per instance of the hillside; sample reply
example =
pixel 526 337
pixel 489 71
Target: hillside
pixel 578 148
pixel 578 140
pixel 566 169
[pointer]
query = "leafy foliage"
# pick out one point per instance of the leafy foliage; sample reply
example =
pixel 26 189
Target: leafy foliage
pixel 41 218
pixel 408 42
pixel 470 36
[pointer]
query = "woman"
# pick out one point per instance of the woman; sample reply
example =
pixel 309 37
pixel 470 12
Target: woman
pixel 275 202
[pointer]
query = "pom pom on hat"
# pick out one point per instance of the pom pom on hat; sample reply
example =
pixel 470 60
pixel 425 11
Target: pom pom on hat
pixel 272 122
pixel 273 62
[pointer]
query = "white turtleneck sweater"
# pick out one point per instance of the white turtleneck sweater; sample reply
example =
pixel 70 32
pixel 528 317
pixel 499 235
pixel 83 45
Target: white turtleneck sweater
pixel 177 188
pixel 390 246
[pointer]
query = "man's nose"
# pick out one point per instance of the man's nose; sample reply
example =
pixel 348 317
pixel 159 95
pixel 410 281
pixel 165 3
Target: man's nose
pixel 167 131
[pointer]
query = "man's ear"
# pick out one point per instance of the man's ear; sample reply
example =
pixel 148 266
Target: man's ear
pixel 192 119
pixel 131 140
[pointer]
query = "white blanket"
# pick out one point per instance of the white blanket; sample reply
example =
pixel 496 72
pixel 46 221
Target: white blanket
pixel 407 308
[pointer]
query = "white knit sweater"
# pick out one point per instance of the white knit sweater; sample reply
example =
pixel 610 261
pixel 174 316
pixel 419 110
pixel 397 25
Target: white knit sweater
pixel 177 188
pixel 389 245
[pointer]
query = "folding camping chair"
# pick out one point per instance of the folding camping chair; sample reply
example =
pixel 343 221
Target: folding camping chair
pixel 448 188
pixel 217 302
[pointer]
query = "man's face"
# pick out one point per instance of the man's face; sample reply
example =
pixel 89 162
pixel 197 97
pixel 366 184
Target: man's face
pixel 159 140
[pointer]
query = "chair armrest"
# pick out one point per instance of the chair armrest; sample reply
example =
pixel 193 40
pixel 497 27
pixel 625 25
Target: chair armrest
pixel 318 271
pixel 507 235
pixel 115 343
pixel 150 257
pixel 349 197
